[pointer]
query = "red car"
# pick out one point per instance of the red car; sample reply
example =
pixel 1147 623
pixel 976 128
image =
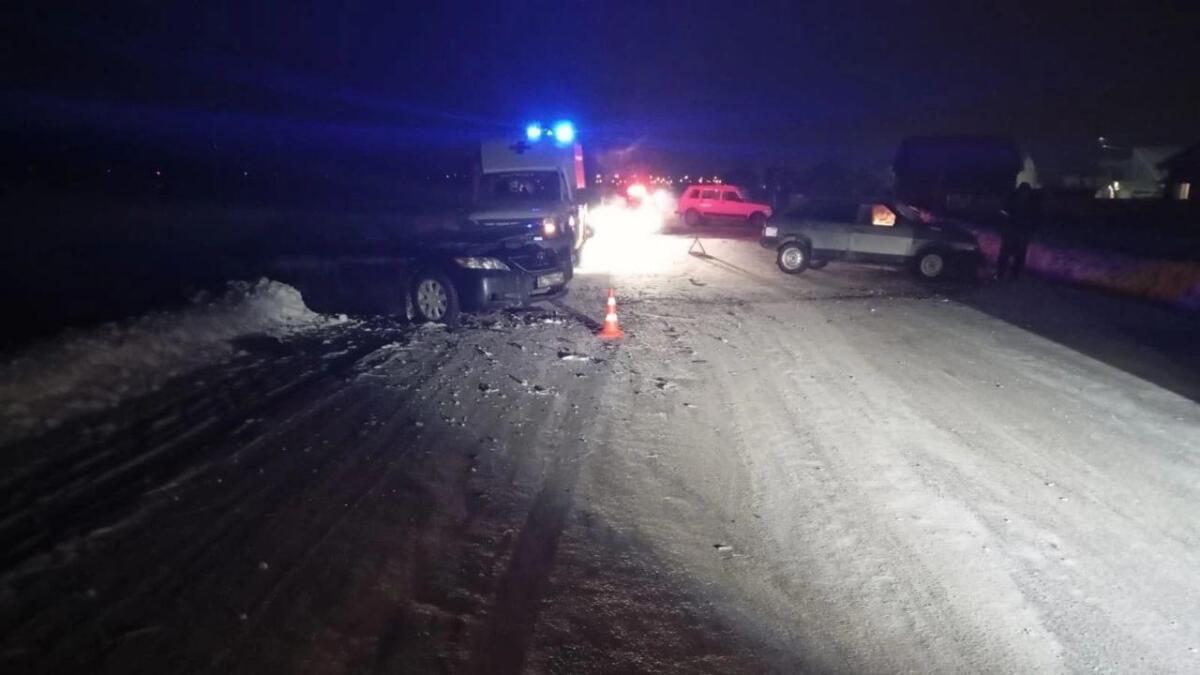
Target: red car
pixel 711 202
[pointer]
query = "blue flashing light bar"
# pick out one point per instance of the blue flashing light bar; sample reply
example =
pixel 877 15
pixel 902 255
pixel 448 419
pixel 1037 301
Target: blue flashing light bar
pixel 564 132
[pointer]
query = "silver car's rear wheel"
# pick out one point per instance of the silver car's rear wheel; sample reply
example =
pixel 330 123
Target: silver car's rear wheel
pixel 931 265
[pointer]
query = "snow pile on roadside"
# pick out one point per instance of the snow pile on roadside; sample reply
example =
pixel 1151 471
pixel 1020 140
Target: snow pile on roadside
pixel 1167 281
pixel 85 371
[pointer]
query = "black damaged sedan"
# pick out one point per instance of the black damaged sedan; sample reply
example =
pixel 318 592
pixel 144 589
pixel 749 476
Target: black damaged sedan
pixel 433 278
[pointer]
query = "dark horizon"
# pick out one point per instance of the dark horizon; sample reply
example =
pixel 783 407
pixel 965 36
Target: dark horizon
pixel 707 88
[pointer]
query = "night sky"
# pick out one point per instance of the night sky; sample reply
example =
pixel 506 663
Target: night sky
pixel 734 83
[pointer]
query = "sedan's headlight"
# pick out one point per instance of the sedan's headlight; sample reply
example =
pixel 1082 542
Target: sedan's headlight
pixel 770 231
pixel 481 263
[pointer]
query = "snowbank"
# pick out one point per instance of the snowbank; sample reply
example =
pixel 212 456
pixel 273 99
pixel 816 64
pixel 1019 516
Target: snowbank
pixel 85 371
pixel 1166 281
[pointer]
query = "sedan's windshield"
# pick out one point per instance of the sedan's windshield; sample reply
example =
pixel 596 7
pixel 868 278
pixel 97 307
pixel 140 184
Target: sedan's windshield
pixel 523 186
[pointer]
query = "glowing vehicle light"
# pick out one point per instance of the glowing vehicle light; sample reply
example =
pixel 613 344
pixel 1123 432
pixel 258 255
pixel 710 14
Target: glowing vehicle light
pixel 533 132
pixel 636 191
pixel 549 227
pixel 564 132
pixel 664 201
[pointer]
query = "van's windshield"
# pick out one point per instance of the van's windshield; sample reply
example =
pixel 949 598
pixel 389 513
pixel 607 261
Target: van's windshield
pixel 520 186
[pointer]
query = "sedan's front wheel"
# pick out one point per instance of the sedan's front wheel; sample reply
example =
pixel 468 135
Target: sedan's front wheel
pixel 434 299
pixel 792 258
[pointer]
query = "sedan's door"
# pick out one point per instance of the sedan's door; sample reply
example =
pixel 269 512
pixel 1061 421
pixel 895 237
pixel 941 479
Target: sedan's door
pixel 880 235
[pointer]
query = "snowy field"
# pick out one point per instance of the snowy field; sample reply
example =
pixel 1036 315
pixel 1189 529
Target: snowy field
pixel 845 471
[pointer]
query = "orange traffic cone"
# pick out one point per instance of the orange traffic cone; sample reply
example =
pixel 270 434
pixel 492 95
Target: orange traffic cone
pixel 612 327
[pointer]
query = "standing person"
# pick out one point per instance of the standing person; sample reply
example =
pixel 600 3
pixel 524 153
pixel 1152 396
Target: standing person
pixel 1015 233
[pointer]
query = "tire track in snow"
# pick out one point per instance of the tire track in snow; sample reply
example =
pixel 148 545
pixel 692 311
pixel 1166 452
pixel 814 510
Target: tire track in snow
pixel 228 516
pixel 870 514
pixel 71 498
pixel 504 642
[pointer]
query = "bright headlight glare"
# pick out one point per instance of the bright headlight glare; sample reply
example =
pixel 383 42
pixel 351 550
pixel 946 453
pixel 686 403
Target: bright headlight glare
pixel 664 200
pixel 549 227
pixel 481 263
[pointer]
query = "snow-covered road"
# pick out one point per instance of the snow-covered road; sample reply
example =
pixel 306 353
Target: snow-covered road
pixel 844 471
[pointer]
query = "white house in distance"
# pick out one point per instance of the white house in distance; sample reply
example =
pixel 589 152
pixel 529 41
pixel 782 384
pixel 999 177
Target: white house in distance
pixel 1136 173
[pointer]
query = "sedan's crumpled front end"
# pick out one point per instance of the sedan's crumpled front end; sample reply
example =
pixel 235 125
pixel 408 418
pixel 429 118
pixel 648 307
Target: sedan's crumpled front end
pixel 511 278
